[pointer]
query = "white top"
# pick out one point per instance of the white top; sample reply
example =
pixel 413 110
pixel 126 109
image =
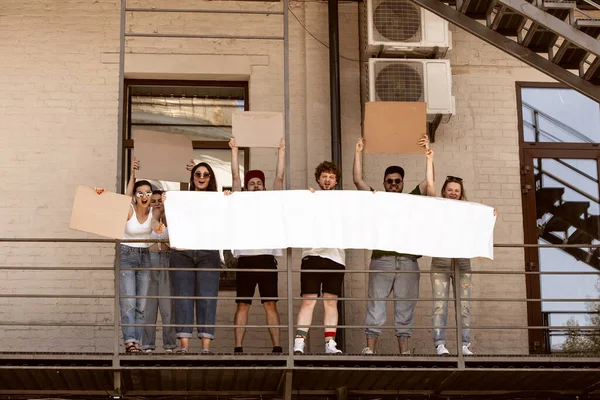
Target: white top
pixel 135 230
pixel 337 255
pixel 161 236
pixel 259 252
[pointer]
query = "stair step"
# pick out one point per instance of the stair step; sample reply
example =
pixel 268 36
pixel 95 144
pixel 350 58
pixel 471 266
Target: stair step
pixel 545 198
pixel 540 39
pixel 570 56
pixel 572 210
pixel 580 237
pixel 476 9
pixel 593 72
pixel 507 22
pixel 589 258
pixel 557 224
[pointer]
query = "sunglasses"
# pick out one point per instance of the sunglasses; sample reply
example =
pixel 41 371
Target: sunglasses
pixel 453 178
pixel 396 181
pixel 202 175
pixel 147 194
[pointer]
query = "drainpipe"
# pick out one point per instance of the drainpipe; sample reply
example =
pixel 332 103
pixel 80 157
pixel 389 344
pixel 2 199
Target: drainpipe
pixel 336 128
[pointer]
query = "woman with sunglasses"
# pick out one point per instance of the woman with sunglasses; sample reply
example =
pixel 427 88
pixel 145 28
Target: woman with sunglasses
pixel 442 274
pixel 195 283
pixel 135 255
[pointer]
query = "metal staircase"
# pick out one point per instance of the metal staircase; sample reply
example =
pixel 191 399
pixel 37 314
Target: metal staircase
pixel 555 37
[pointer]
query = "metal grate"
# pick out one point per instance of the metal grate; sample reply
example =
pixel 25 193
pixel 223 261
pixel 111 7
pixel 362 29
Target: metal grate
pixel 396 21
pixel 399 81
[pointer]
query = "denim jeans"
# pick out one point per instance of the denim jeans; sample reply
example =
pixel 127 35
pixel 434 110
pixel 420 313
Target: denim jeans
pixel 133 283
pixel 160 285
pixel 440 285
pixel 195 283
pixel 405 285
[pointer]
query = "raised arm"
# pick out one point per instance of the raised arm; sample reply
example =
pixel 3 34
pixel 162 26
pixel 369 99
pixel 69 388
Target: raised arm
pixel 357 167
pixel 427 186
pixel 280 169
pixel 235 167
pixel 134 166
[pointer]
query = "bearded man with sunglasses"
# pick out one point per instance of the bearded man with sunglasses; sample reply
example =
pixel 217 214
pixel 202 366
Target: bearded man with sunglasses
pixel 404 285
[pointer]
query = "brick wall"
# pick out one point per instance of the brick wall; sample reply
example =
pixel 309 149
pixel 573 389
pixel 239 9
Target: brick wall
pixel 58 104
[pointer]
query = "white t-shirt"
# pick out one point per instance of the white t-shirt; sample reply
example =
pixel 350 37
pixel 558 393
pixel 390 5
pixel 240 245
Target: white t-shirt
pixel 258 252
pixel 337 255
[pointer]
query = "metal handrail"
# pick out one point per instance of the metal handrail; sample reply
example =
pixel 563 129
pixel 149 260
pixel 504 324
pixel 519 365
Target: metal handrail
pixel 574 188
pixel 572 131
pixel 290 326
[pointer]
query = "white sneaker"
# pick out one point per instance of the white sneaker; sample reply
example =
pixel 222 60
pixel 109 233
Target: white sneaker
pixel 441 350
pixel 331 347
pixel 299 345
pixel 466 351
pixel 367 350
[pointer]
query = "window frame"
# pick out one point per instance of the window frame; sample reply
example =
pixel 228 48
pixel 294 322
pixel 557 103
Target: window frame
pixel 127 143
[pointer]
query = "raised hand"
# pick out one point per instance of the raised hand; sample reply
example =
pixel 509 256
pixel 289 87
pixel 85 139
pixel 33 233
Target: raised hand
pixel 135 165
pixel 99 190
pixel 232 143
pixel 424 141
pixel 190 165
pixel 360 145
pixel 281 147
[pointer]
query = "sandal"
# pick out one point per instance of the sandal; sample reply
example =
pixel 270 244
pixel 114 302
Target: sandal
pixel 181 350
pixel 131 348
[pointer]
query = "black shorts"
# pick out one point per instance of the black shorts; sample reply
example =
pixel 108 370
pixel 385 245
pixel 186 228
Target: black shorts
pixel 246 282
pixel 321 282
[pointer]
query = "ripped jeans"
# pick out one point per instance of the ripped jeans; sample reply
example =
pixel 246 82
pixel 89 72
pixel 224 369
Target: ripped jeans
pixel 443 273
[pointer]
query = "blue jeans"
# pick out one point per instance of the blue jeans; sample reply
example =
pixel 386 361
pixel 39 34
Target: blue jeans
pixel 440 285
pixel 133 283
pixel 160 285
pixel 404 286
pixel 195 283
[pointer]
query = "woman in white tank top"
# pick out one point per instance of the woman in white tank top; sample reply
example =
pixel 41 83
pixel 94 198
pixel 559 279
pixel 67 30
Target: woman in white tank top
pixel 135 255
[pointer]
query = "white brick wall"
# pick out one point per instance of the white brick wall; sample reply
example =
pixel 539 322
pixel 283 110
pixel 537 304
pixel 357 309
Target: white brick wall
pixel 58 104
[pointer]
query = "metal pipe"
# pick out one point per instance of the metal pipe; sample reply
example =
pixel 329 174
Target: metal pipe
pixel 457 312
pixel 188 36
pixel 187 10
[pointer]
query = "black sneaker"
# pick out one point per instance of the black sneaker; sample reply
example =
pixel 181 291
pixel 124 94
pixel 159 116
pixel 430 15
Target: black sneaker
pixel 277 349
pixel 238 349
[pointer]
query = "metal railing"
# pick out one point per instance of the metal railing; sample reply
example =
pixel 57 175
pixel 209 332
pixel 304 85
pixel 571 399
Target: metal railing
pixel 290 326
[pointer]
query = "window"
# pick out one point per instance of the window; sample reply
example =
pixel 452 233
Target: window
pixel 560 129
pixel 201 110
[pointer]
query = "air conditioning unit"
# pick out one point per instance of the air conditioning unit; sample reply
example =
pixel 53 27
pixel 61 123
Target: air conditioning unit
pixel 404 28
pixel 428 81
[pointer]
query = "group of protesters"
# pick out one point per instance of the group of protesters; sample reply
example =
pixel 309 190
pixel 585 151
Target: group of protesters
pixel 153 275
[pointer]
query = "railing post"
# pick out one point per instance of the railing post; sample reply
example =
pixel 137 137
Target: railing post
pixel 290 310
pixel 457 311
pixel 117 320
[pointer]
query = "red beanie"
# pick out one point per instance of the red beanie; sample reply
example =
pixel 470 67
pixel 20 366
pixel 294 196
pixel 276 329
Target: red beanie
pixel 255 173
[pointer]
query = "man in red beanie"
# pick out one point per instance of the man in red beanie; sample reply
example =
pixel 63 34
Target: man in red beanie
pixel 246 282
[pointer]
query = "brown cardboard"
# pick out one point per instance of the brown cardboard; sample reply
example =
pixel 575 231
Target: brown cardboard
pixel 257 128
pixel 103 214
pixel 162 156
pixel 394 127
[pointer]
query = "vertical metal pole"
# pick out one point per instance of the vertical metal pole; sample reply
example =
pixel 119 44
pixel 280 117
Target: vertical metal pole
pixel 121 95
pixel 288 183
pixel 117 320
pixel 117 308
pixel 457 308
pixel 536 122
pixel 336 128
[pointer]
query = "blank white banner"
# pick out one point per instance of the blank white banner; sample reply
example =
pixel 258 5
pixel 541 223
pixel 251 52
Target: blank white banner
pixel 349 219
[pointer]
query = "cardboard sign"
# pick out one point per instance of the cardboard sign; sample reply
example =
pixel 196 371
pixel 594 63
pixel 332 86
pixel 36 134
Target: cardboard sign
pixel 394 127
pixel 257 128
pixel 103 214
pixel 162 156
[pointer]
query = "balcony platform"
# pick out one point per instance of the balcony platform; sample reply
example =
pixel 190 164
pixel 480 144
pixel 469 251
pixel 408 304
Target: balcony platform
pixel 27 375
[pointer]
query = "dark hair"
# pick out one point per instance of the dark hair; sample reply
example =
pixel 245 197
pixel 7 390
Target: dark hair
pixel 394 169
pixel 156 191
pixel 452 179
pixel 328 166
pixel 212 183
pixel 141 183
